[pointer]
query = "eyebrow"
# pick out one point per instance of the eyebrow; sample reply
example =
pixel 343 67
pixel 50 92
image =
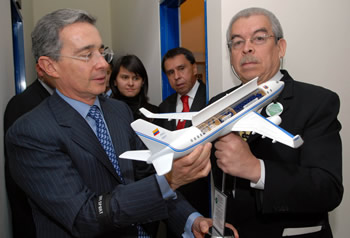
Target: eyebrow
pixel 88 47
pixel 180 65
pixel 263 29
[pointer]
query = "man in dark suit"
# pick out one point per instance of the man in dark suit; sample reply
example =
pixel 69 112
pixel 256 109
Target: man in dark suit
pixel 33 95
pixel 274 190
pixel 180 67
pixel 64 153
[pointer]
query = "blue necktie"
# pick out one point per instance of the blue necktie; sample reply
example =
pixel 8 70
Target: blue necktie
pixel 107 145
pixel 104 139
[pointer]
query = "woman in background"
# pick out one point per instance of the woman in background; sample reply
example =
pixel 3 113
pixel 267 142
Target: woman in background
pixel 129 83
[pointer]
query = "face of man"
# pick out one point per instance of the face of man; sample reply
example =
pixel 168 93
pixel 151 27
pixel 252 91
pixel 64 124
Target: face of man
pixel 181 73
pixel 76 78
pixel 129 84
pixel 258 58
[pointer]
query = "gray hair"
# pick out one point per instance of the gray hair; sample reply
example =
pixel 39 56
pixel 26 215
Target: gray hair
pixel 275 24
pixel 45 36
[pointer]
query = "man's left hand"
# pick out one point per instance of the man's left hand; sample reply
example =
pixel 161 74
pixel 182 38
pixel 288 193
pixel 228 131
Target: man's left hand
pixel 201 227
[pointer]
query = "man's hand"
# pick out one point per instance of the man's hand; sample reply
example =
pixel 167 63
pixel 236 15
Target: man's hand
pixel 235 158
pixel 190 167
pixel 201 227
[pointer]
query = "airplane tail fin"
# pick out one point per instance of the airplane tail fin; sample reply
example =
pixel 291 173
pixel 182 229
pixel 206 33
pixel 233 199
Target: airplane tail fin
pixel 156 139
pixel 154 136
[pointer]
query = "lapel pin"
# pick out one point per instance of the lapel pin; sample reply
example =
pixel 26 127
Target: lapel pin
pixel 274 108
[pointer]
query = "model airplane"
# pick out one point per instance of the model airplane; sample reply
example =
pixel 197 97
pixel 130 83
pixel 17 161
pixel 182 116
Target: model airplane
pixel 237 111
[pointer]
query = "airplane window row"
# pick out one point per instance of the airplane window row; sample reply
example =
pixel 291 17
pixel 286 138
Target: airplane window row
pixel 198 137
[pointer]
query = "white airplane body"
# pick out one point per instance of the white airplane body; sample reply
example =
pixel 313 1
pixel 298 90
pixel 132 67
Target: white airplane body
pixel 237 111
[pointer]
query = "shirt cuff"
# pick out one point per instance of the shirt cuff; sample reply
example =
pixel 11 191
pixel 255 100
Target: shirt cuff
pixel 165 189
pixel 188 226
pixel 261 183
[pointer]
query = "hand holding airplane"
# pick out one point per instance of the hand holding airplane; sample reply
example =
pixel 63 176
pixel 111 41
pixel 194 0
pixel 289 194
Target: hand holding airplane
pixel 191 167
pixel 237 111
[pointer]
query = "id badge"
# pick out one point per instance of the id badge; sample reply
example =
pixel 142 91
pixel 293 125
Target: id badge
pixel 219 211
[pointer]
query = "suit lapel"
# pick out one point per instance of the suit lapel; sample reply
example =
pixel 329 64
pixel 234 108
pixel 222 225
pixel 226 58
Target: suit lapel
pixel 81 133
pixel 199 101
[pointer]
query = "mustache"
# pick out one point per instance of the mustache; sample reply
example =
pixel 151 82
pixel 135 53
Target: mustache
pixel 248 59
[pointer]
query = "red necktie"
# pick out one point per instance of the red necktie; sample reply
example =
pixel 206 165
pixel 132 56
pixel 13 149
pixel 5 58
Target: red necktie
pixel 186 108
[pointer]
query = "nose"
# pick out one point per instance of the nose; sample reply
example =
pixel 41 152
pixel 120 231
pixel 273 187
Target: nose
pixel 176 74
pixel 248 47
pixel 130 82
pixel 101 62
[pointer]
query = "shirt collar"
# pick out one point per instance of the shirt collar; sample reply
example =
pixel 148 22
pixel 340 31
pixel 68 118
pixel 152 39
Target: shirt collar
pixel 80 107
pixel 192 92
pixel 277 76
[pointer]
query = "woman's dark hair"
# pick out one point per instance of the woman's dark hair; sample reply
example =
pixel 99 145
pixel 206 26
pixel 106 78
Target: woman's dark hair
pixel 133 64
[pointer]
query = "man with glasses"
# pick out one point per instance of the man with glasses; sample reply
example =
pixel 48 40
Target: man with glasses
pixel 274 190
pixel 64 153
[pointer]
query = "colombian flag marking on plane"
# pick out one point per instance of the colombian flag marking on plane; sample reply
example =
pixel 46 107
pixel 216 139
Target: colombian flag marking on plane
pixel 155 132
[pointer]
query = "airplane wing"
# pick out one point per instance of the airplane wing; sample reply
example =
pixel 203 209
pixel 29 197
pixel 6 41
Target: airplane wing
pixel 254 122
pixel 142 155
pixel 169 116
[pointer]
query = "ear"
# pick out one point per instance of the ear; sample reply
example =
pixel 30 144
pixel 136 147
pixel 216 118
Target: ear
pixel 282 44
pixel 48 65
pixel 194 68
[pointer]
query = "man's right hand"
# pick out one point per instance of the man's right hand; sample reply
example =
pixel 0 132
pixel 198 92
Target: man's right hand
pixel 190 167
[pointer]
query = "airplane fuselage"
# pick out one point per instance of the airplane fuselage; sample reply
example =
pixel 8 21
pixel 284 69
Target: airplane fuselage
pixel 218 124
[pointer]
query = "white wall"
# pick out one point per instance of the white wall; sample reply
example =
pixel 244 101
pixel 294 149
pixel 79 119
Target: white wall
pixel 7 89
pixel 136 25
pixel 28 25
pixel 318 49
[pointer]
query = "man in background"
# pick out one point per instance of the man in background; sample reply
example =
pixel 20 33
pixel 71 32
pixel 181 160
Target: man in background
pixel 180 67
pixel 33 95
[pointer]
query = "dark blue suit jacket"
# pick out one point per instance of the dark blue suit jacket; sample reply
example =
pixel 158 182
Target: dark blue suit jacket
pixel 56 158
pixel 301 185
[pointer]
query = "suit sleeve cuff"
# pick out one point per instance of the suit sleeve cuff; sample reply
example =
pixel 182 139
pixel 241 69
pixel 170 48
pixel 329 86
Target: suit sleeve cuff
pixel 165 189
pixel 188 226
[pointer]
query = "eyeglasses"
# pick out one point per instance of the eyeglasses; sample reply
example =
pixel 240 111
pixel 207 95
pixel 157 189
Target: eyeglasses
pixel 237 42
pixel 92 56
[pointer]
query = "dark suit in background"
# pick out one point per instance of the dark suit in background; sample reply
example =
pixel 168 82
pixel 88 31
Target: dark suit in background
pixel 81 186
pixel 301 185
pixel 22 219
pixel 197 192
